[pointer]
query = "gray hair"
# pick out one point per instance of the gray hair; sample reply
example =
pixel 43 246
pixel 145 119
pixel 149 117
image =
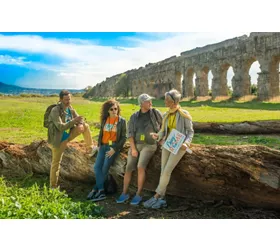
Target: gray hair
pixel 173 95
pixel 143 98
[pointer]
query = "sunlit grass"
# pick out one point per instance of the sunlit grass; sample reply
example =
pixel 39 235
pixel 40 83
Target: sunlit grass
pixel 21 119
pixel 210 139
pixel 35 202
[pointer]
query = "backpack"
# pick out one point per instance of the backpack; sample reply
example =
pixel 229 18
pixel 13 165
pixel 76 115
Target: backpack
pixel 47 113
pixel 110 185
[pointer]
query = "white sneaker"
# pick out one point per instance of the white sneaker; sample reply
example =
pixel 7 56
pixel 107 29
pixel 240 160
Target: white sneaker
pixel 159 204
pixel 149 203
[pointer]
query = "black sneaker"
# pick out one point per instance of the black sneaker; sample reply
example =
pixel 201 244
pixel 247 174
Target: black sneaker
pixel 91 194
pixel 100 195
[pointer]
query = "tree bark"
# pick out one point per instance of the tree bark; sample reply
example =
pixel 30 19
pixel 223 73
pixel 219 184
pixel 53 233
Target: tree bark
pixel 258 127
pixel 245 175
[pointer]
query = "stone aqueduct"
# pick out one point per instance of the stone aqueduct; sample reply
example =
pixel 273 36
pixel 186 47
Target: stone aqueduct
pixel 240 53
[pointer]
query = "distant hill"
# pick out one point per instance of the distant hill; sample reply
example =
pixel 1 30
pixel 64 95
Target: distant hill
pixel 16 90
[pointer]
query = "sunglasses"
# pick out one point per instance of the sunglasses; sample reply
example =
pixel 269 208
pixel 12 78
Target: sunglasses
pixel 111 109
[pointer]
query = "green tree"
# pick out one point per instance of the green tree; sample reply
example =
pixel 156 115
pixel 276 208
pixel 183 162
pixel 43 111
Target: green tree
pixel 254 89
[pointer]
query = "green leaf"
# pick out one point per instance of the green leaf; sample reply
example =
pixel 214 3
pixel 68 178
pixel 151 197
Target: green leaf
pixel 18 205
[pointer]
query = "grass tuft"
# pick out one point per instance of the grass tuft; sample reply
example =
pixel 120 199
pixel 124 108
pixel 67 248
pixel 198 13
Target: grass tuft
pixel 36 202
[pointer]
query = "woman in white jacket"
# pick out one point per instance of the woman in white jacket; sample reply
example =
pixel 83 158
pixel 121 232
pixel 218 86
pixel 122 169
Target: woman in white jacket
pixel 174 118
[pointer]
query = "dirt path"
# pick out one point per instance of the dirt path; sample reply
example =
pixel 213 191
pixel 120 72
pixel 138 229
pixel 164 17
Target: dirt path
pixel 179 208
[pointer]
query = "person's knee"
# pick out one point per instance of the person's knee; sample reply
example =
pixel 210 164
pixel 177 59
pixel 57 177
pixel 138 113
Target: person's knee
pixel 130 167
pixel 166 173
pixel 141 169
pixel 128 172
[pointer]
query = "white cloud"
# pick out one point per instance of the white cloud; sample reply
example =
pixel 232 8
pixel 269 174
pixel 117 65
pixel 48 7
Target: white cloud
pixel 7 59
pixel 85 63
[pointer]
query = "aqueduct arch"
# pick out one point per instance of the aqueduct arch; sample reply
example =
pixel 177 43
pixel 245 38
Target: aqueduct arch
pixel 204 76
pixel 239 53
pixel 274 74
pixel 188 82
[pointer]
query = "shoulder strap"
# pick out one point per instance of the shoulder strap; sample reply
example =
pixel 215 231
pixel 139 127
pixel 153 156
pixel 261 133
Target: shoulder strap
pixel 134 117
pixel 155 113
pixel 58 104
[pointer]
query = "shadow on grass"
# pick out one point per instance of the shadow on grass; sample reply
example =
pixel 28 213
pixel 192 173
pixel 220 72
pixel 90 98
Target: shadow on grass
pixel 230 103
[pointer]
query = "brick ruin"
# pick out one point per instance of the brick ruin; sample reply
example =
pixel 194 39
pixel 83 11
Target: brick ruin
pixel 178 72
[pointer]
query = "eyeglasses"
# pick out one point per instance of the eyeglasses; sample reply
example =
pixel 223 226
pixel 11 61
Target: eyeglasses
pixel 111 109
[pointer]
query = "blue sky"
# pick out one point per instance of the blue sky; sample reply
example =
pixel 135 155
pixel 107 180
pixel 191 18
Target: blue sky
pixel 76 60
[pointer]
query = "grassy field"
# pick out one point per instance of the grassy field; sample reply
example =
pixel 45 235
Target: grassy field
pixel 21 119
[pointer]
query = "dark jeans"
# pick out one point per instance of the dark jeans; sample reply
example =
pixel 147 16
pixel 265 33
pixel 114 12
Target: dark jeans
pixel 102 166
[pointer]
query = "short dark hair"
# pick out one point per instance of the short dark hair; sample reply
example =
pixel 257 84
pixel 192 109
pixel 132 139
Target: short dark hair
pixel 63 93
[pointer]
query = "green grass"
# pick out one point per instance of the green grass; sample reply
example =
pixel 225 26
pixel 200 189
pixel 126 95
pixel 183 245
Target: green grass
pixel 21 121
pixel 35 202
pixel 265 140
pixel 21 118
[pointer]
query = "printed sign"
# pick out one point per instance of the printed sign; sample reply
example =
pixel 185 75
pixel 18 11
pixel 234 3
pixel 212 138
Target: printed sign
pixel 174 141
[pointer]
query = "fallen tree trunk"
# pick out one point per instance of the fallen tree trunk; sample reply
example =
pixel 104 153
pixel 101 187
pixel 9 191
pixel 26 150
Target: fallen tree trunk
pixel 248 175
pixel 256 127
pixel 19 160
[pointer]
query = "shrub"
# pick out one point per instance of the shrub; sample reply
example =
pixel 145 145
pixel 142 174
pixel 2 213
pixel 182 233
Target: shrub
pixel 254 89
pixel 53 95
pixel 42 203
pixel 229 90
pixel 30 95
pixel 78 94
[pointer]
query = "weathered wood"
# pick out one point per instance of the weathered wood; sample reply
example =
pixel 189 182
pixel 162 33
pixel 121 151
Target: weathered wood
pixel 257 127
pixel 245 175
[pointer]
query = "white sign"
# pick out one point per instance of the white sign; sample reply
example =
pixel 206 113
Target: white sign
pixel 174 141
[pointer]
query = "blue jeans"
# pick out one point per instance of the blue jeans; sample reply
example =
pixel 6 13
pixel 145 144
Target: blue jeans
pixel 102 166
